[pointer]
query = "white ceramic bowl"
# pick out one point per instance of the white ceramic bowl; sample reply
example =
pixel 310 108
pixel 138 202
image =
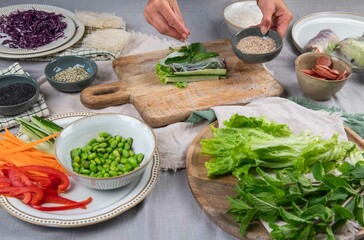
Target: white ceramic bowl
pixel 80 132
pixel 241 15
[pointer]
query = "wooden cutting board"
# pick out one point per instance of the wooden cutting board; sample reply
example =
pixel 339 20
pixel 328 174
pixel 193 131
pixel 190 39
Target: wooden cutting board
pixel 211 194
pixel 162 104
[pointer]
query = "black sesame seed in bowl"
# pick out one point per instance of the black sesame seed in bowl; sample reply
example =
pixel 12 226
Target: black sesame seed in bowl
pixel 18 93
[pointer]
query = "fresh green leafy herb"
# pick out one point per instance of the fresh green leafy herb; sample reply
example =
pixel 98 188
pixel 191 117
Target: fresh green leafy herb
pixel 301 216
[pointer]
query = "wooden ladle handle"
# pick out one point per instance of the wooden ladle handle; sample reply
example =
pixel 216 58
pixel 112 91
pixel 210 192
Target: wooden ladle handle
pixel 104 95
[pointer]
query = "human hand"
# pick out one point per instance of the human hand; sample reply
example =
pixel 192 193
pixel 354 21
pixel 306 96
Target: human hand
pixel 276 16
pixel 166 17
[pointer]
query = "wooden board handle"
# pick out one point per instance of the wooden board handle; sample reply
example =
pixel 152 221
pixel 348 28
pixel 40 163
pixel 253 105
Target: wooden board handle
pixel 104 95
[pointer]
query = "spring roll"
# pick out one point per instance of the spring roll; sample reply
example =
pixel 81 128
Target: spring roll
pixel 353 50
pixel 324 42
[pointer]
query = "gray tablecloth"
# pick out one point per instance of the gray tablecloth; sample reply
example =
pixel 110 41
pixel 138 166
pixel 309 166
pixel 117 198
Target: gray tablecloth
pixel 170 211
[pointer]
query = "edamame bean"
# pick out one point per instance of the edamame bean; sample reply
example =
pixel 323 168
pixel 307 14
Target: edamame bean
pixel 116 153
pixel 114 144
pixel 140 157
pixel 133 162
pixel 129 141
pixel 126 153
pixel 126 146
pixel 127 168
pixel 100 139
pixel 93 168
pixel 75 165
pixel 77 159
pixel 103 145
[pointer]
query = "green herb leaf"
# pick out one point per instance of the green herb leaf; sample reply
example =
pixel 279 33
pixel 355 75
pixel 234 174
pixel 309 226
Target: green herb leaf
pixel 342 213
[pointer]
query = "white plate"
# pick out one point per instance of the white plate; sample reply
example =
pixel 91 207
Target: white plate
pixel 80 29
pixel 343 24
pixel 104 206
pixel 69 31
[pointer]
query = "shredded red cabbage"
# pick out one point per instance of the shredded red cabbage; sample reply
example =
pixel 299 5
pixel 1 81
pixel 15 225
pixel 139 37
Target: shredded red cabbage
pixel 32 28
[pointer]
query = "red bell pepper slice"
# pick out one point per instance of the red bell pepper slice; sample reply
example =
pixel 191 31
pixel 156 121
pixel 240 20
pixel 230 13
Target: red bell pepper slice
pixel 19 179
pixel 35 198
pixel 5 182
pixel 64 207
pixel 62 186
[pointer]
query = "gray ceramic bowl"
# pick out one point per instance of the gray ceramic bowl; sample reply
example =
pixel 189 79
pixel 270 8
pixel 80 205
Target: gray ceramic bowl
pixel 256 58
pixel 63 63
pixel 10 110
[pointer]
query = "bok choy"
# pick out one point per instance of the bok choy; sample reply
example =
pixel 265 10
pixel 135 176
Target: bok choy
pixel 189 64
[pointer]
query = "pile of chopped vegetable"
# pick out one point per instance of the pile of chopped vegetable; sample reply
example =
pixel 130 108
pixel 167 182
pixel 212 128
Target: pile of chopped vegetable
pixel 16 152
pixel 32 28
pixel 36 186
pixel 190 64
pixel 302 185
pixel 31 175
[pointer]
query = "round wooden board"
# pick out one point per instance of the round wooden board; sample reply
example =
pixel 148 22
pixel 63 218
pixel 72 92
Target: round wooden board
pixel 211 194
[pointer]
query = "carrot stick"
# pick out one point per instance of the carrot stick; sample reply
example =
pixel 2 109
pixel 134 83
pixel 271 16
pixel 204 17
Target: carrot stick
pixel 30 145
pixel 16 152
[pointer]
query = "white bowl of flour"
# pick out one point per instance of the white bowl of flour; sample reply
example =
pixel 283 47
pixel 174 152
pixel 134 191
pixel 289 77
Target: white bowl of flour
pixel 241 15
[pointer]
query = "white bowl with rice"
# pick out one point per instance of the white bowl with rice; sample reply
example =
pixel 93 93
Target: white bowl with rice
pixel 241 15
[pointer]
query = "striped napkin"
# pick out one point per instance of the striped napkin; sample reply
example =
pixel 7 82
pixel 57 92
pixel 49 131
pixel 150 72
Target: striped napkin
pixel 39 108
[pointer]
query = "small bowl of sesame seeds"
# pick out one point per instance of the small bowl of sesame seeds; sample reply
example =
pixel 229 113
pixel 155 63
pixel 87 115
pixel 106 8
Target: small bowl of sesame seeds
pixel 18 93
pixel 251 46
pixel 70 73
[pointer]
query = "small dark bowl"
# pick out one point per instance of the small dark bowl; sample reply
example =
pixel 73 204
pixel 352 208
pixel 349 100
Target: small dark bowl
pixel 65 62
pixel 10 110
pixel 256 58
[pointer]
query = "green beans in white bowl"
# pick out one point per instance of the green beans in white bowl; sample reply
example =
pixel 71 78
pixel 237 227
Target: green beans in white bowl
pixel 106 151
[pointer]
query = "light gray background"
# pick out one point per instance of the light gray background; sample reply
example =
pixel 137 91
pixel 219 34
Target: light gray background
pixel 170 211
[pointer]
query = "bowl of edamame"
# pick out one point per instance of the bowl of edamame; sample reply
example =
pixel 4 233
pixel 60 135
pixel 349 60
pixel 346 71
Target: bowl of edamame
pixel 106 151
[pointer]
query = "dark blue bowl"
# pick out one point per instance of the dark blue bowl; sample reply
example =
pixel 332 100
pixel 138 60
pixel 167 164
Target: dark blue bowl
pixel 65 62
pixel 256 58
pixel 10 110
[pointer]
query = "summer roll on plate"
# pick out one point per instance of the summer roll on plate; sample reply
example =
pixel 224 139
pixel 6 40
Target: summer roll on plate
pixel 344 25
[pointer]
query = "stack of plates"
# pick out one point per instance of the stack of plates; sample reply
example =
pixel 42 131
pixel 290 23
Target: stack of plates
pixel 72 33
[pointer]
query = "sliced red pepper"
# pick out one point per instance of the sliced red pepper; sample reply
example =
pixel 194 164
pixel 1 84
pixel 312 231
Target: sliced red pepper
pixel 6 190
pixel 49 172
pixel 64 207
pixel 5 184
pixel 5 180
pixel 41 181
pixel 19 179
pixel 34 199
